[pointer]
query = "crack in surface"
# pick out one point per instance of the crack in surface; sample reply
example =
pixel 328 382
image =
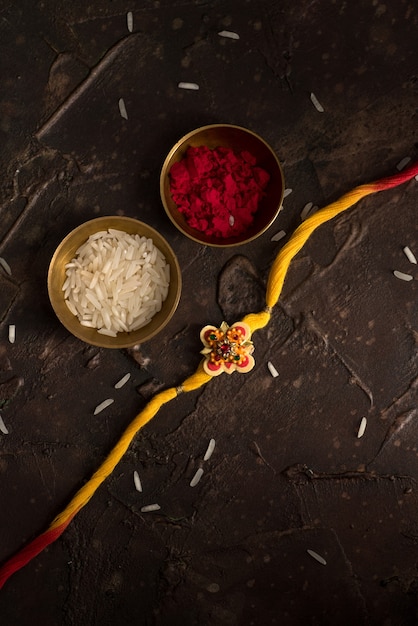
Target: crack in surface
pixel 260 455
pixel 400 422
pixel 302 474
pixel 111 56
pixel 313 325
pixel 27 208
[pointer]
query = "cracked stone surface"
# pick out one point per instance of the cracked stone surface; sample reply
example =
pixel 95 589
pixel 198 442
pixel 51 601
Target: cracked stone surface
pixel 288 473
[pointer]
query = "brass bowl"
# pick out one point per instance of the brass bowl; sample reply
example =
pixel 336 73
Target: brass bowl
pixel 237 139
pixel 66 251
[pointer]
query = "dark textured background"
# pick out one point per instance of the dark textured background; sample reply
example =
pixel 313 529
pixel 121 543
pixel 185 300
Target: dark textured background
pixel 288 472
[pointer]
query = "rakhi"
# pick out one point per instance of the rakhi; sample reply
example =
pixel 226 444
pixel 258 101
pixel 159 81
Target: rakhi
pixel 225 349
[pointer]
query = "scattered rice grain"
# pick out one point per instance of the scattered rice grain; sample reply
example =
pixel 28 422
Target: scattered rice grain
pixel 228 34
pixel 103 405
pixel 122 381
pixel 209 451
pixel 12 333
pixel 410 255
pixel 5 266
pixel 362 427
pixel 279 235
pixel 3 427
pixel 318 106
pixel 317 557
pixel 137 481
pixel 150 507
pixel 231 220
pixel 185 85
pixel 403 163
pixel 306 210
pixel 130 21
pixel 196 478
pixel 287 192
pixel 402 275
pixel 122 109
pixel 272 369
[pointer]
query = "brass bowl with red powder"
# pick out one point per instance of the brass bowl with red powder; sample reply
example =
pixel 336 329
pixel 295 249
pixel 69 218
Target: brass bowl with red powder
pixel 240 141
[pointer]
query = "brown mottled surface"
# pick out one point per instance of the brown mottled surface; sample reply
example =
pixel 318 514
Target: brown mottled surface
pixel 288 472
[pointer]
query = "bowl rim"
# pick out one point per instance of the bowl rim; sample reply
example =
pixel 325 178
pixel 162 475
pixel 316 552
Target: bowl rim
pixel 163 175
pixel 124 339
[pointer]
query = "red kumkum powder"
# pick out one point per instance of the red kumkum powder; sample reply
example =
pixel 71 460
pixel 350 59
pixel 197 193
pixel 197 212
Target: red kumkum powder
pixel 218 191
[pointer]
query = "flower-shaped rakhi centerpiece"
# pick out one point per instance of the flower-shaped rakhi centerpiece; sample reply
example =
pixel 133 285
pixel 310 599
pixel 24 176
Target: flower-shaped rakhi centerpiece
pixel 227 348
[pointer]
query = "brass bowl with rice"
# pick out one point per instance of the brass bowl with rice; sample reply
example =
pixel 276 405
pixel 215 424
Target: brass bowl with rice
pixel 114 282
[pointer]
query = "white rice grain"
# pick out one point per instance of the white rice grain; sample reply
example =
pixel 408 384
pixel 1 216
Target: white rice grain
pixel 122 109
pixel 362 427
pixel 108 333
pixel 317 557
pixel 231 220
pixel 137 482
pixel 87 323
pixel 71 307
pixel 272 369
pixel 403 163
pixel 3 427
pixel 130 21
pixel 5 266
pixel 306 210
pixel 150 507
pixel 12 333
pixel 279 235
pixel 122 381
pixel 402 275
pixel 318 106
pixel 228 34
pixel 196 478
pixel 116 282
pixel 103 405
pixel 209 451
pixel 410 255
pixel 287 192
pixel 185 85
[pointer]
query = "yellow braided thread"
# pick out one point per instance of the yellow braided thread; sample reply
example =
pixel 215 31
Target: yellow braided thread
pixel 196 380
pixel 257 320
pixel 301 235
pixel 86 492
